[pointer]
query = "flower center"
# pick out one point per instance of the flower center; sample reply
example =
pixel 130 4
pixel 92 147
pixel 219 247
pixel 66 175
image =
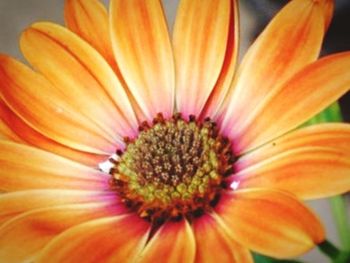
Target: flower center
pixel 173 169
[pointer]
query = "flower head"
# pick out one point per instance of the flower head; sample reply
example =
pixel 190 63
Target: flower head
pixel 205 162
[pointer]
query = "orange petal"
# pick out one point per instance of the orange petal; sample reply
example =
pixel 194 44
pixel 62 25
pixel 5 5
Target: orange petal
pixel 15 203
pixel 174 242
pixel 307 172
pixel 292 40
pixel 6 119
pixel 200 42
pixel 24 167
pixel 24 236
pixel 113 239
pixel 7 134
pixel 33 98
pixel 333 135
pixel 82 75
pixel 15 129
pixel 296 101
pixel 89 20
pixel 210 237
pixel 222 86
pixel 328 10
pixel 270 222
pixel 143 51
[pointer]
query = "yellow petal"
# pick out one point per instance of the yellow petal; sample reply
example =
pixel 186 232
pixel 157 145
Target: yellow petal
pixel 270 222
pixel 200 41
pixel 113 239
pixel 223 84
pixel 15 129
pixel 15 203
pixel 307 172
pixel 292 40
pixel 82 75
pixel 307 93
pixel 142 49
pixel 174 242
pixel 24 167
pixel 24 236
pixel 213 244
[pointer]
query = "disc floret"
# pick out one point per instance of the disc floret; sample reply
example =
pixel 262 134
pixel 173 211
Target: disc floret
pixel 173 168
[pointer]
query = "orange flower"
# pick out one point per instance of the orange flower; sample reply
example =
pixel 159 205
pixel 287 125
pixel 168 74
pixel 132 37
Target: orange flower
pixel 205 162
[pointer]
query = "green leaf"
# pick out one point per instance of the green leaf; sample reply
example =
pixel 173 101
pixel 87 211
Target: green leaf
pixel 343 257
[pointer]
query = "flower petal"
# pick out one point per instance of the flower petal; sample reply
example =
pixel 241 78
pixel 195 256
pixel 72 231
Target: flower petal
pixel 33 98
pixel 24 167
pixel 270 222
pixel 89 20
pixel 7 134
pixel 333 135
pixel 82 75
pixel 210 237
pixel 143 51
pixel 24 236
pixel 15 129
pixel 15 203
pixel 174 242
pixel 223 84
pixel 328 10
pixel 296 101
pixel 113 239
pixel 200 41
pixel 307 172
pixel 292 40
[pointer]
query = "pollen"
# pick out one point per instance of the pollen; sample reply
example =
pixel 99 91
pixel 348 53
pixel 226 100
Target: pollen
pixel 174 168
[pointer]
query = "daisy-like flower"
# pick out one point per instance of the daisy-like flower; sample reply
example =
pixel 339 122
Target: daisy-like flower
pixel 205 160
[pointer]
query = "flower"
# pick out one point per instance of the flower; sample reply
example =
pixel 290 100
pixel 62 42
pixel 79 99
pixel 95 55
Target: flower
pixel 205 160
